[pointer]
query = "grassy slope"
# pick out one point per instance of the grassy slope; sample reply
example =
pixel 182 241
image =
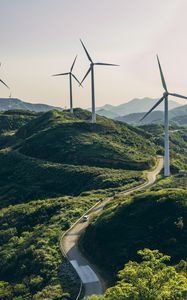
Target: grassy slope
pixel 155 220
pixel 174 181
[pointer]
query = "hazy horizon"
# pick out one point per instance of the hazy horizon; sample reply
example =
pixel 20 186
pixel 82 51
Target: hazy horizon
pixel 41 38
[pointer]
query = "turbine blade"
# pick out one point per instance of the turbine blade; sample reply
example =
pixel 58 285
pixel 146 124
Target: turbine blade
pixel 61 74
pixel 4 83
pixel 105 64
pixel 76 79
pixel 88 55
pixel 177 95
pixel 154 106
pixel 73 64
pixel 86 75
pixel 162 75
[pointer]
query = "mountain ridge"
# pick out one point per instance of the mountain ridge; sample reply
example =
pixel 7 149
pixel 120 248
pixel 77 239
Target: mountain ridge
pixel 176 115
pixel 15 103
pixel 133 106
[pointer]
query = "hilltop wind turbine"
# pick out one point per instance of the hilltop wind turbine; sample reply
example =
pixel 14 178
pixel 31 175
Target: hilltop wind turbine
pixel 166 120
pixel 70 82
pixel 91 69
pixel 3 81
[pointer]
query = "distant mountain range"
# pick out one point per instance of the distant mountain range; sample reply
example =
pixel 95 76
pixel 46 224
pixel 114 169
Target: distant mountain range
pixel 131 107
pixel 130 112
pixel 13 103
pixel 177 116
pixel 134 119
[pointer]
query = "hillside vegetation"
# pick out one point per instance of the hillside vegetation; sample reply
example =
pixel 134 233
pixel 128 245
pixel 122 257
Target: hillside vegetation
pixel 46 156
pixel 24 178
pixel 155 220
pixel 56 165
pixel 31 264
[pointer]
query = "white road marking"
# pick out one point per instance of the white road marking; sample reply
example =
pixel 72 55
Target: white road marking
pixel 86 274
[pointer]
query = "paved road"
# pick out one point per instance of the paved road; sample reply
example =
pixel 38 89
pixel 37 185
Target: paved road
pixel 91 279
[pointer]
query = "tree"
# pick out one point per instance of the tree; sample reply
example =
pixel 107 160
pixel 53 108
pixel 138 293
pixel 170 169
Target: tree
pixel 52 292
pixel 6 291
pixel 35 283
pixel 150 279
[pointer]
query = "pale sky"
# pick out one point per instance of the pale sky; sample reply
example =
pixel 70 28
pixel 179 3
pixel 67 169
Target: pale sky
pixel 41 37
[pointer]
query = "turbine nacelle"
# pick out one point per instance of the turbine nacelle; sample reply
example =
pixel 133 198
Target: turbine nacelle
pixel 165 94
pixel 91 69
pixel 70 72
pixel 92 64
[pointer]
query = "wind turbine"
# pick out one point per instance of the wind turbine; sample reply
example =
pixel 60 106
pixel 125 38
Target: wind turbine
pixel 70 82
pixel 3 81
pixel 166 120
pixel 91 69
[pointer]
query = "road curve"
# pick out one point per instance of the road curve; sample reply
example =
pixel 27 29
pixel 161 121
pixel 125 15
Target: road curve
pixel 90 278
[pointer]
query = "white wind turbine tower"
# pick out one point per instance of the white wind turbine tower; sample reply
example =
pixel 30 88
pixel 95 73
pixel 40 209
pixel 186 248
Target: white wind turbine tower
pixel 91 69
pixel 70 82
pixel 166 120
pixel 3 81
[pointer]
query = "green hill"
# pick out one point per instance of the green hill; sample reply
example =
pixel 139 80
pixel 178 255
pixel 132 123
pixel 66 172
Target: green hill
pixel 63 138
pixel 24 179
pixel 154 220
pixel 57 153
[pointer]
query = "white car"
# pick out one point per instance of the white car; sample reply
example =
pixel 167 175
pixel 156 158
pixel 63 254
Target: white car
pixel 85 218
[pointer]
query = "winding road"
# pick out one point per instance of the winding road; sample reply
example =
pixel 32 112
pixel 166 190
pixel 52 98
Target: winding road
pixel 91 280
